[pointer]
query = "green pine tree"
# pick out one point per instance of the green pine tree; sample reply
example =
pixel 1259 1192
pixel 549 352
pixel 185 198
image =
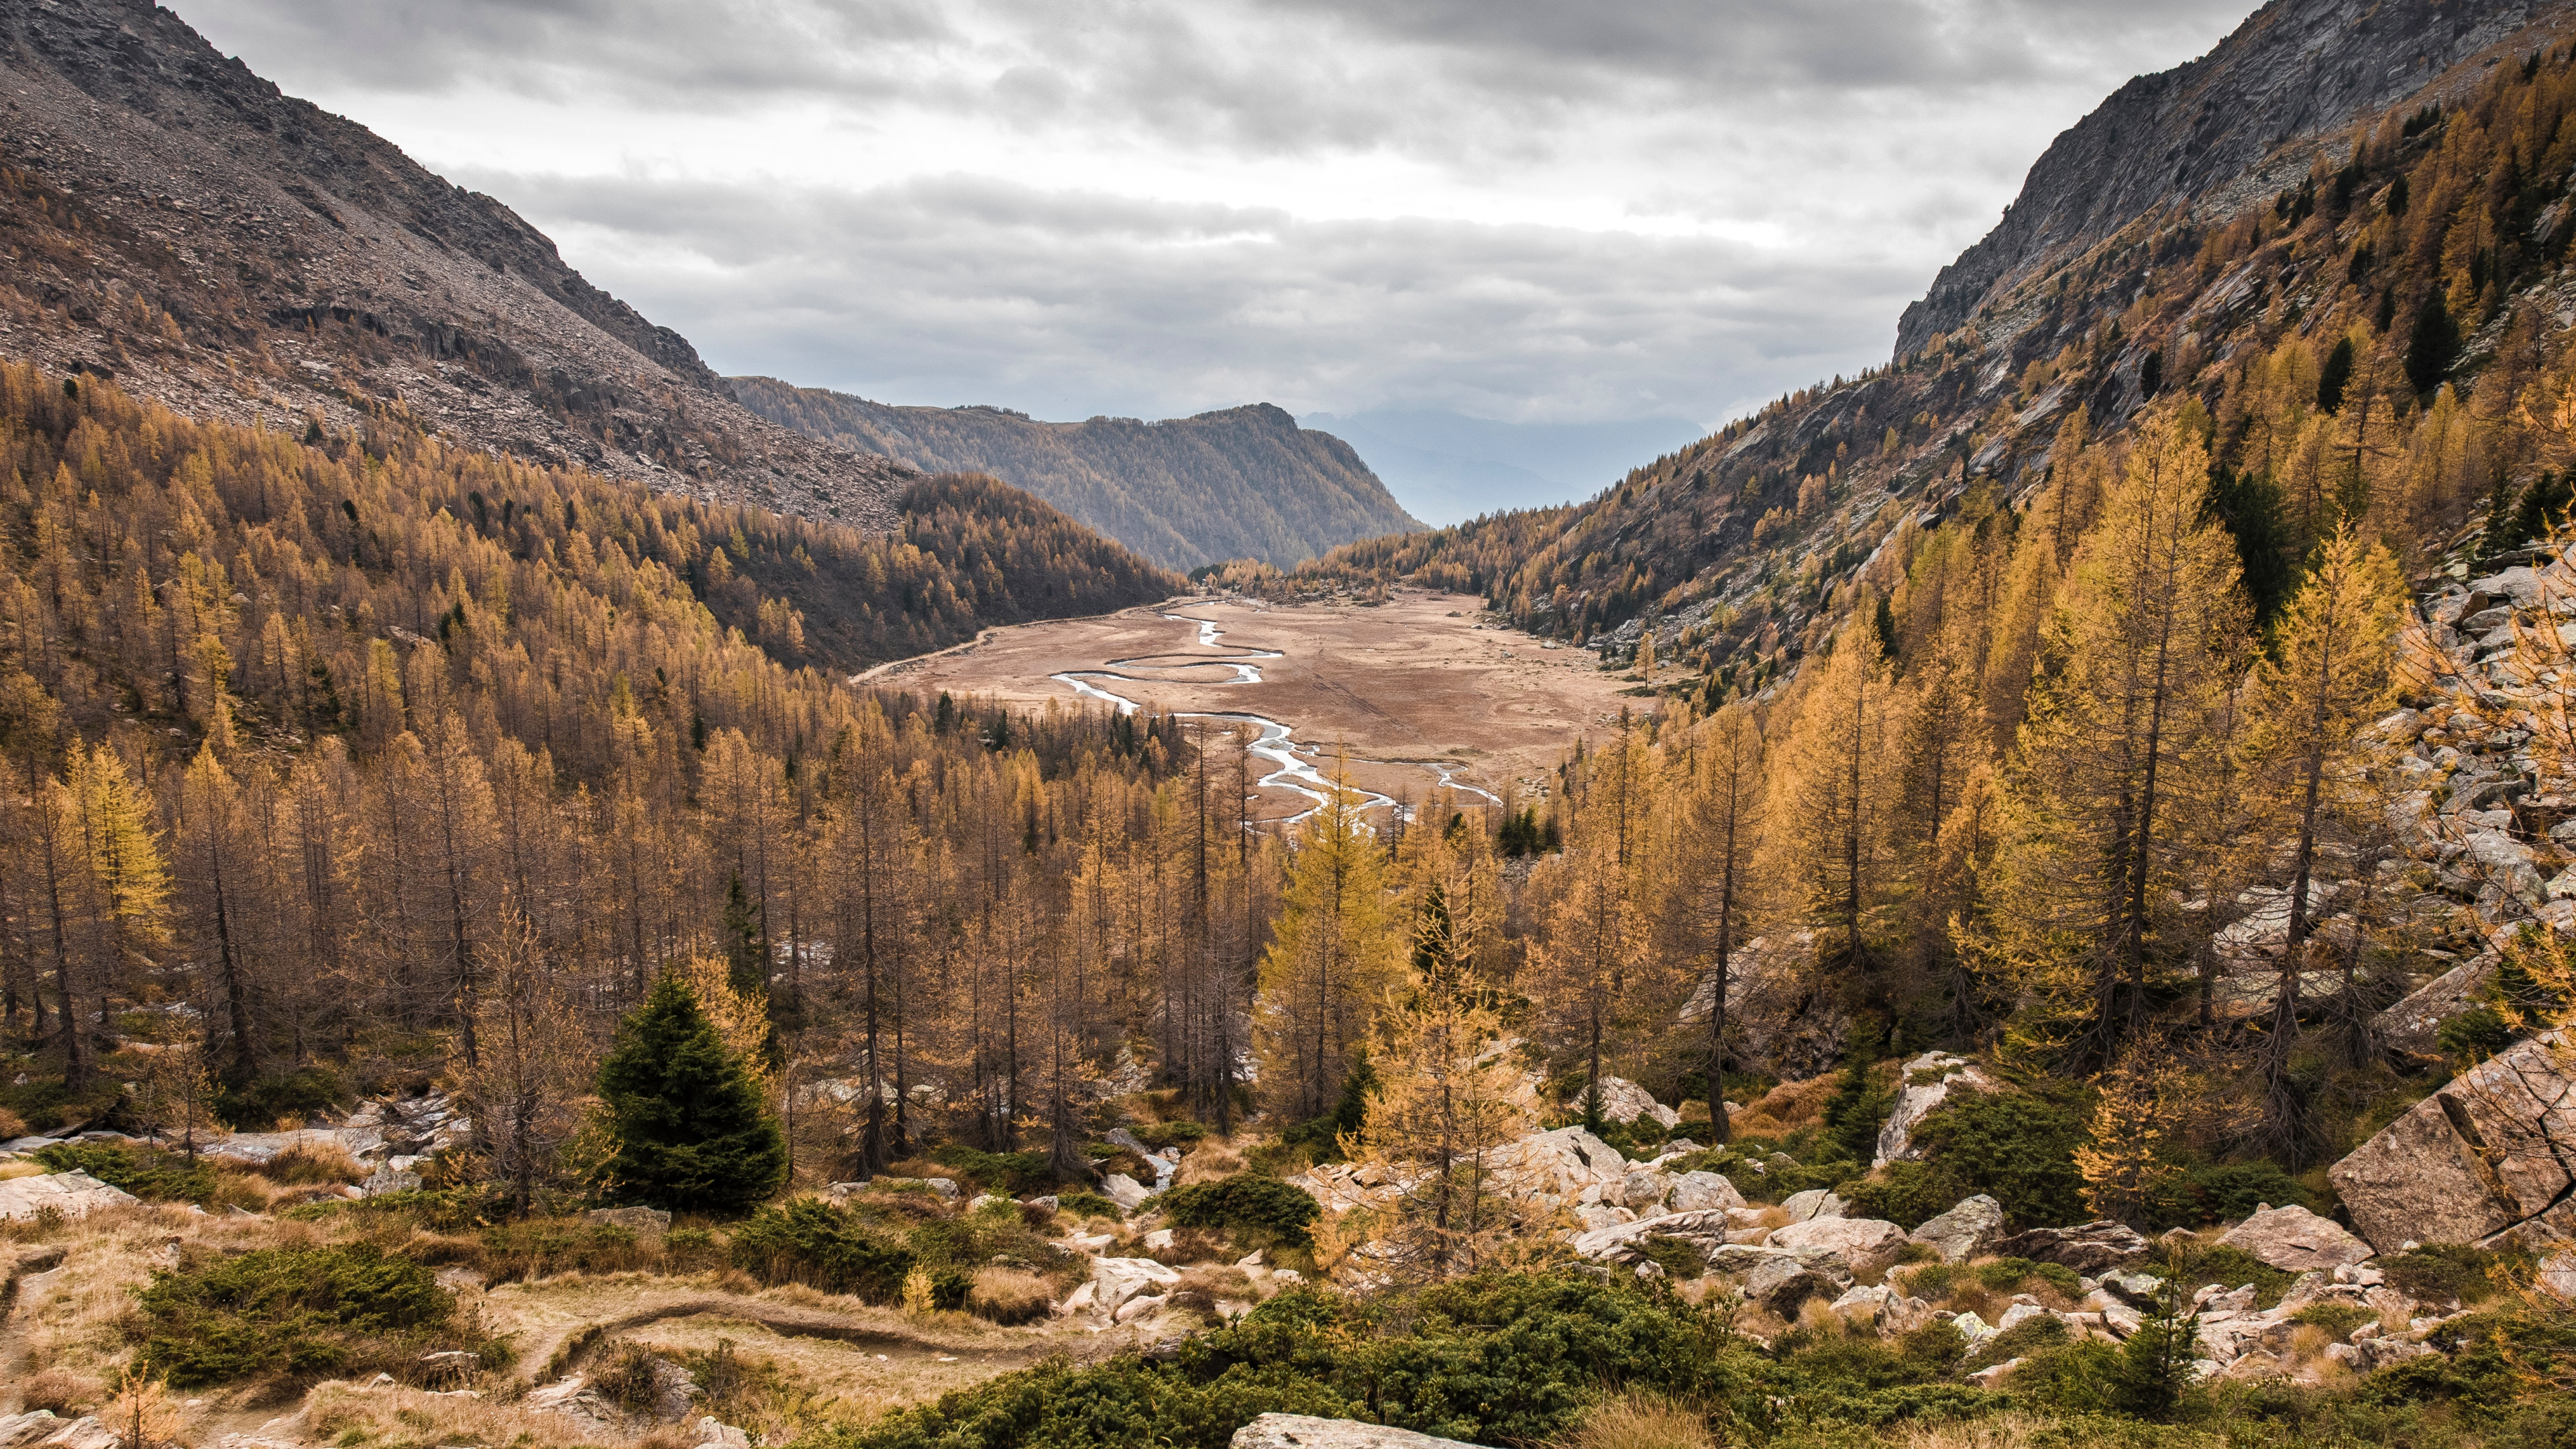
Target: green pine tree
pixel 691 1130
pixel 746 937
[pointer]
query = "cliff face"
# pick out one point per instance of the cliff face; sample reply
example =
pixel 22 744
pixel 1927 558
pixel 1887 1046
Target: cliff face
pixel 2224 131
pixel 175 222
pixel 1244 482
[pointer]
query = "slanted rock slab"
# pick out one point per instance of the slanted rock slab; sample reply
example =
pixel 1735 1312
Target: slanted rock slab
pixel 1305 1431
pixel 73 1194
pixel 2296 1240
pixel 2089 1248
pixel 1865 1245
pixel 1928 1080
pixel 2477 1158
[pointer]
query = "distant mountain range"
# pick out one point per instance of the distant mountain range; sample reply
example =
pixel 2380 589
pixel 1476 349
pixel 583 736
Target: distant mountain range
pixel 1448 467
pixel 1244 483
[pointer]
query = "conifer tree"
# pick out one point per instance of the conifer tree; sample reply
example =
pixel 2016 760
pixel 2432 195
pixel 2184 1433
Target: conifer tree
pixel 1449 1099
pixel 1330 957
pixel 1719 841
pixel 2121 748
pixel 2308 772
pixel 690 1130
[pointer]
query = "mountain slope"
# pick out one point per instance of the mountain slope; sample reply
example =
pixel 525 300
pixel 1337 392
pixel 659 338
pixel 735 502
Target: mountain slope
pixel 1245 482
pixel 2414 254
pixel 236 254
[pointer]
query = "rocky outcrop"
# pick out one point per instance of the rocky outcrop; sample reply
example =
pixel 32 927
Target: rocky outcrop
pixel 1964 1231
pixel 2483 1160
pixel 1866 1246
pixel 71 1194
pixel 2296 1240
pixel 1927 1081
pixel 2193 135
pixel 2089 1248
pixel 40 1427
pixel 1624 1101
pixel 1304 1431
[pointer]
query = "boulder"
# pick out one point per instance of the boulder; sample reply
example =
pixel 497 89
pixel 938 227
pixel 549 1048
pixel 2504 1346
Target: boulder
pixel 1625 1243
pixel 714 1433
pixel 2413 1022
pixel 72 1194
pixel 1694 1191
pixel 1964 1231
pixel 1783 1284
pixel 1867 1246
pixel 1815 1202
pixel 2088 1248
pixel 2296 1240
pixel 1641 1190
pixel 1624 1101
pixel 1304 1431
pixel 1561 1168
pixel 2474 1160
pixel 31 1427
pixel 1116 1280
pixel 643 1222
pixel 1125 1191
pixel 2369 1355
pixel 1927 1082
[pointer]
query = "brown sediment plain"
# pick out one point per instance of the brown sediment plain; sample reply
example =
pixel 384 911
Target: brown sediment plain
pixel 1416 689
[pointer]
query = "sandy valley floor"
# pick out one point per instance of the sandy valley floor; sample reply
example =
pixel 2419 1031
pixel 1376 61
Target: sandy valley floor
pixel 1416 689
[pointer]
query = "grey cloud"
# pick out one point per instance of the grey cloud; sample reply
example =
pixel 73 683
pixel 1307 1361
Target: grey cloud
pixel 954 289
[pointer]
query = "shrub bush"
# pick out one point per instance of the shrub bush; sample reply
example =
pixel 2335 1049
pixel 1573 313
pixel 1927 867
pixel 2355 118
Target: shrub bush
pixel 1088 1205
pixel 2017 1147
pixel 1247 1205
pixel 146 1172
pixel 1014 1173
pixel 822 1246
pixel 297 1312
pixel 2226 1267
pixel 2439 1271
pixel 306 1092
pixel 2225 1193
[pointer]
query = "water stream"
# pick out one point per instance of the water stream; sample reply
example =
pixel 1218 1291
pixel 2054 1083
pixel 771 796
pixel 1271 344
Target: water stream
pixel 1274 741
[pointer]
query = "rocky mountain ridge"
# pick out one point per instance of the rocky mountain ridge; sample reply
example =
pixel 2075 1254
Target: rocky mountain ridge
pixel 174 222
pixel 1238 483
pixel 2223 132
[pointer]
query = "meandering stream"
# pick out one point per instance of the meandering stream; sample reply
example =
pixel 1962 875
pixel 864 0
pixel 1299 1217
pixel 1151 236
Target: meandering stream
pixel 1274 742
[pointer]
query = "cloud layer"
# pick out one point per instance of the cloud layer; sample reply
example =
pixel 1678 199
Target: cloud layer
pixel 1518 210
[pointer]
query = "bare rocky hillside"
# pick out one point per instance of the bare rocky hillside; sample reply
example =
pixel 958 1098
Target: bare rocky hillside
pixel 176 223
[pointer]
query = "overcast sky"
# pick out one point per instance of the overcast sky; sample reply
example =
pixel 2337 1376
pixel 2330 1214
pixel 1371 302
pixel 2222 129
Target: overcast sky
pixel 1580 211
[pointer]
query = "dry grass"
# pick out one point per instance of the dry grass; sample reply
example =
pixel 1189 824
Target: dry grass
pixel 1641 1421
pixel 1785 1108
pixel 66 1393
pixel 1009 1295
pixel 395 1417
pixel 22 1167
pixel 310 1164
pixel 12 1125
pixel 1207 1160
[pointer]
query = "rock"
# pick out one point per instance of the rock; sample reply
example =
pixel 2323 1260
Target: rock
pixel 2558 1274
pixel 1140 1306
pixel 2019 1314
pixel 713 1433
pixel 1125 1191
pixel 1624 1101
pixel 388 1178
pixel 2089 1248
pixel 451 1361
pixel 983 1200
pixel 1705 1230
pixel 27 1428
pixel 2296 1240
pixel 1783 1285
pixel 1080 1300
pixel 1868 1304
pixel 82 1433
pixel 2473 1161
pixel 1304 1431
pixel 1927 1082
pixel 2122 1321
pixel 1121 1279
pixel 1642 1190
pixel 1694 1191
pixel 643 1222
pixel 1594 1216
pixel 2138 1290
pixel 1987 1378
pixel 1964 1231
pixel 2370 1355
pixel 72 1194
pixel 1815 1202
pixel 1158 1241
pixel 944 1186
pixel 1866 1245
pixel 1975 1329
pixel 1561 1169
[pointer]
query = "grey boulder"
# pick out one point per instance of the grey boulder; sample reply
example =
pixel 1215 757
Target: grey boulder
pixel 2088 1248
pixel 1305 1431
pixel 1964 1231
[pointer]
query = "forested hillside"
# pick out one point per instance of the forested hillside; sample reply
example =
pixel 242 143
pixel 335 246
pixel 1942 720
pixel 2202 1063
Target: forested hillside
pixel 1245 483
